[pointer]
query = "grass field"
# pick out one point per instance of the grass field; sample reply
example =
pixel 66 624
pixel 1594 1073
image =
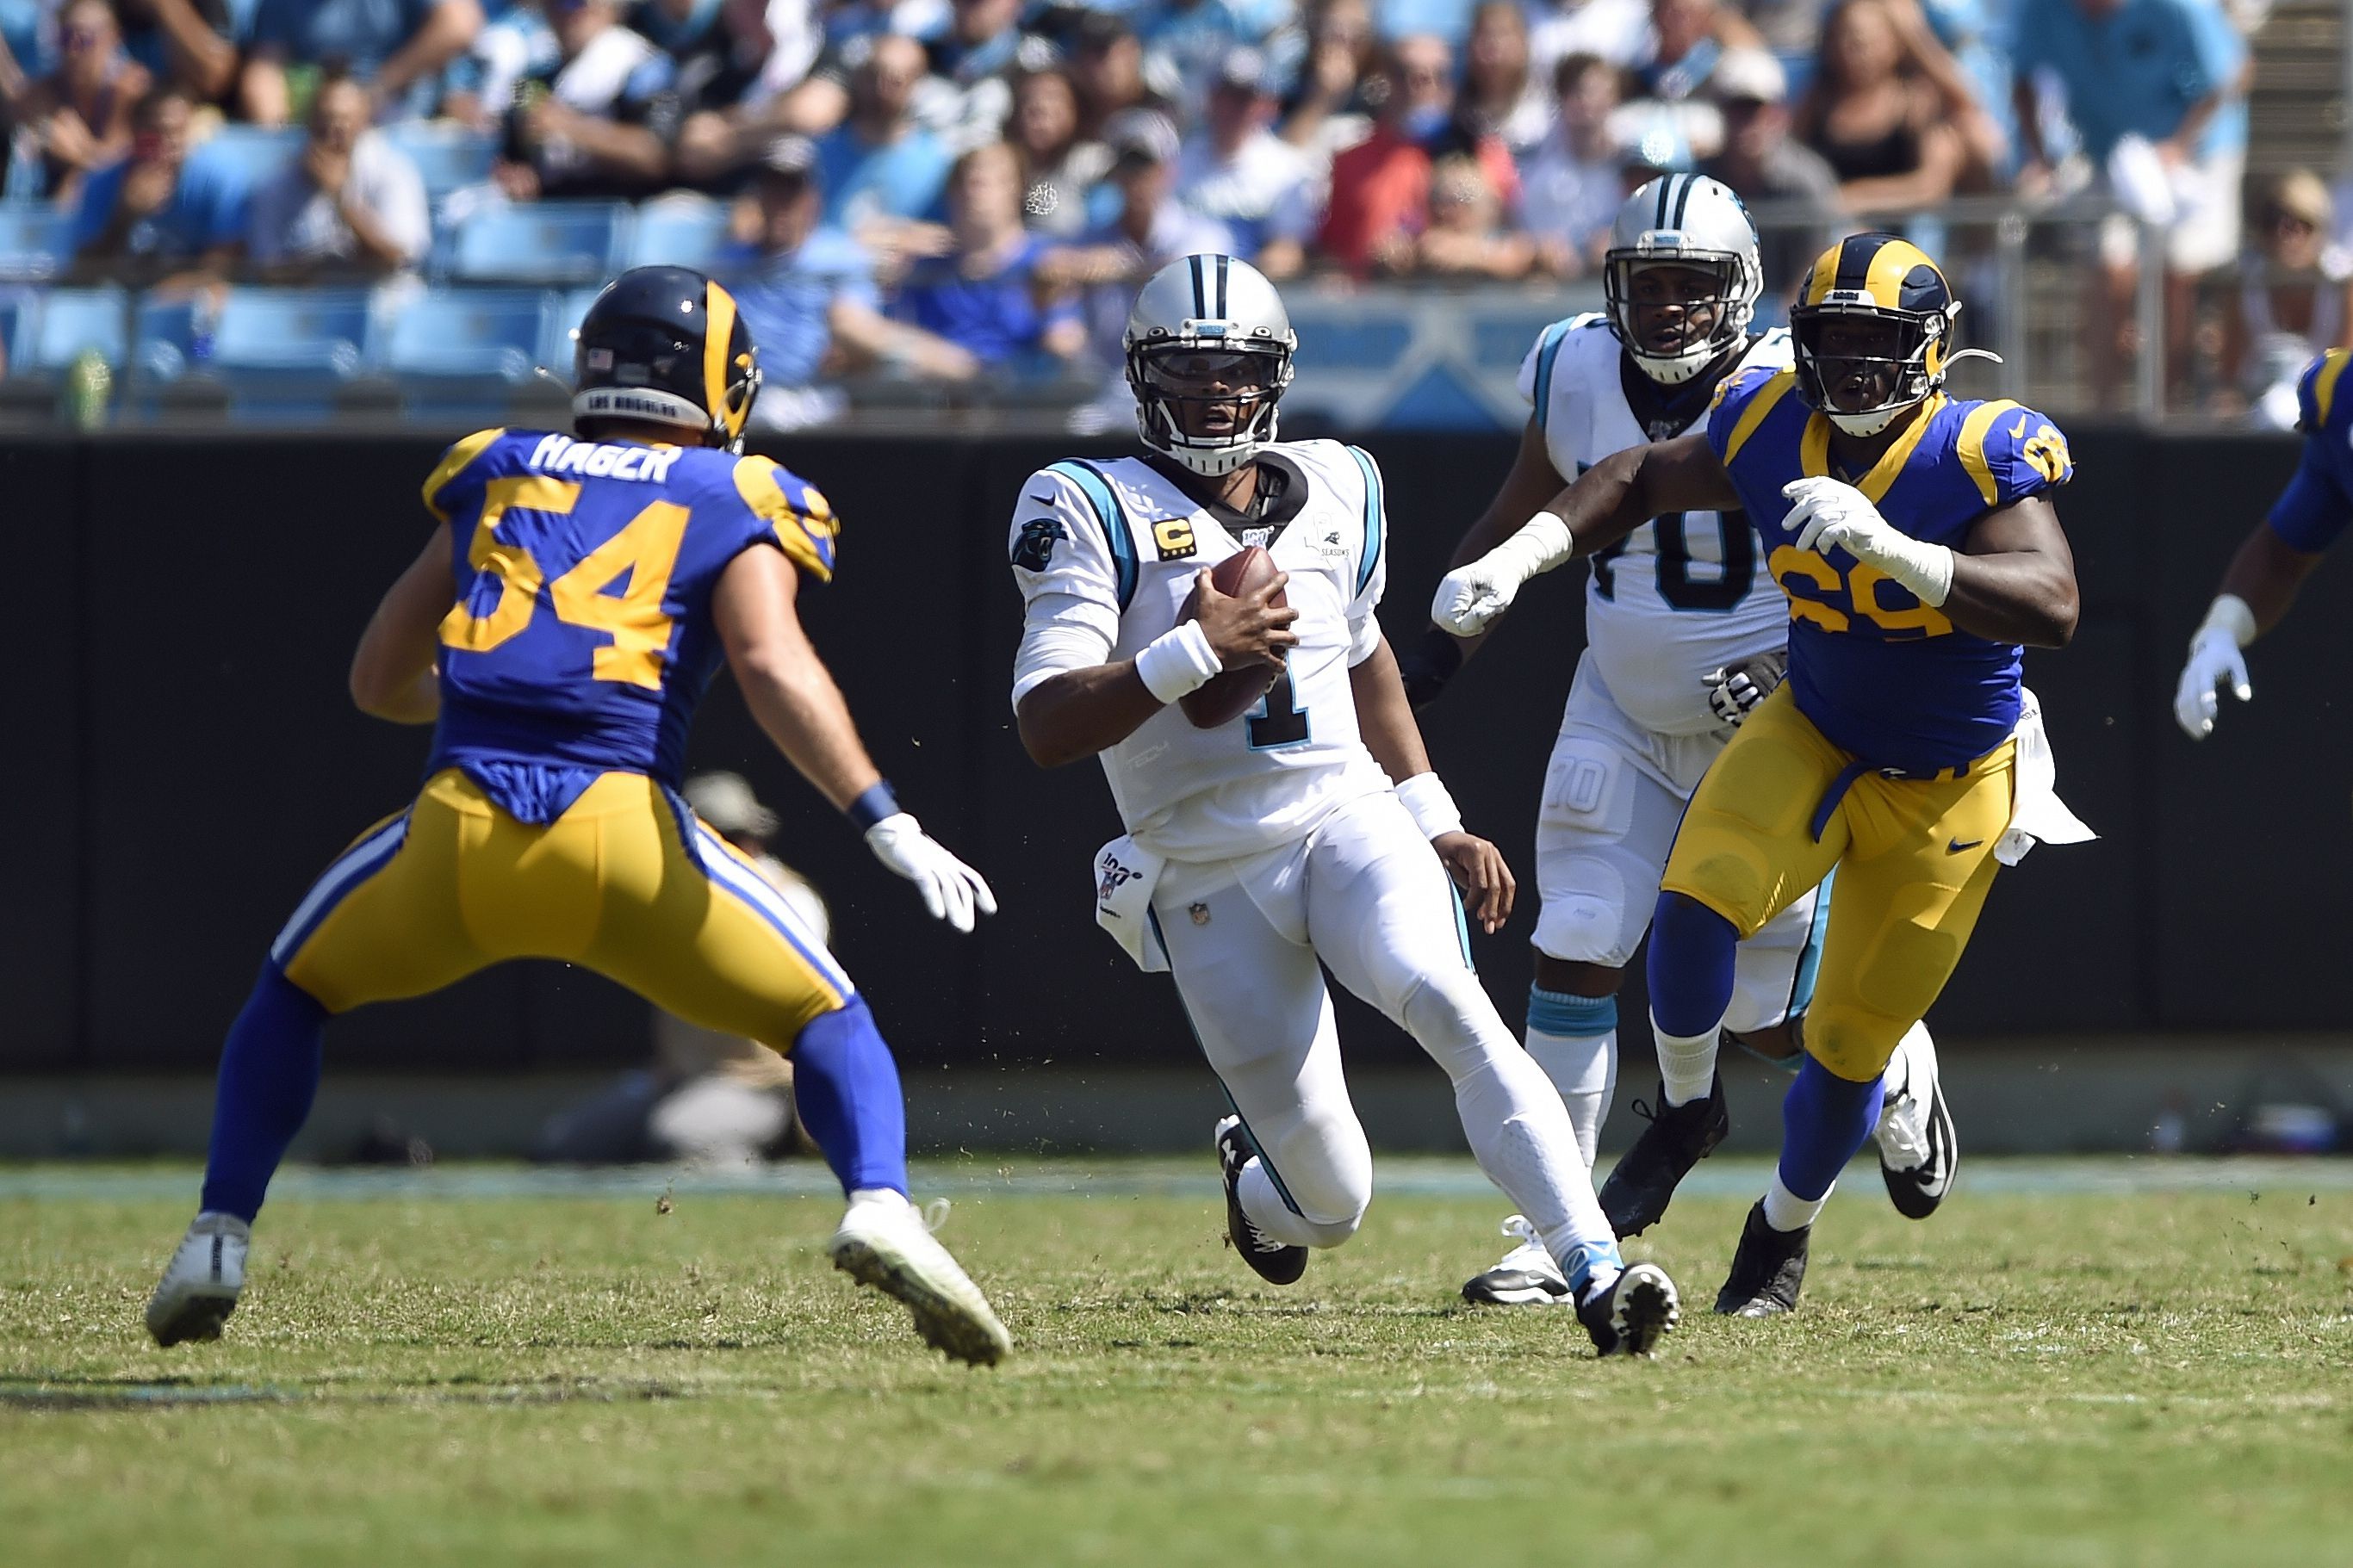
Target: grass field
pixel 2063 1367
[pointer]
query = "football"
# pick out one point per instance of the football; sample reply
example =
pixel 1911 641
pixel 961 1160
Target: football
pixel 1235 692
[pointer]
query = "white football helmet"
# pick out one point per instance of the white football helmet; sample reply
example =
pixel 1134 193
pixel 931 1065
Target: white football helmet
pixel 1209 329
pixel 1684 220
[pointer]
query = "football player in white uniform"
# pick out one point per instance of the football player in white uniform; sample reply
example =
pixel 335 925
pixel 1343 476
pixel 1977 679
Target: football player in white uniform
pixel 1686 631
pixel 1309 831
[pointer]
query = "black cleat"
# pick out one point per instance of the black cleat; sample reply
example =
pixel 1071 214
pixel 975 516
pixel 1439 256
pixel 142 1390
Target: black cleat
pixel 1768 1271
pixel 1919 1153
pixel 1639 1309
pixel 1275 1263
pixel 1679 1137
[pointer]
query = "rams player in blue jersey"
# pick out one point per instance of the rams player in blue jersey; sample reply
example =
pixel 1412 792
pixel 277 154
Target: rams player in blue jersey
pixel 559 628
pixel 2261 579
pixel 1912 538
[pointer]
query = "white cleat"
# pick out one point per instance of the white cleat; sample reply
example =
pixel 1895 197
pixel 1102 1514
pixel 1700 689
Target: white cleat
pixel 883 1242
pixel 1918 1151
pixel 200 1285
pixel 1527 1276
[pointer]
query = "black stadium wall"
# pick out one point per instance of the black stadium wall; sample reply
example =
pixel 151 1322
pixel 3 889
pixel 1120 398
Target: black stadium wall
pixel 185 760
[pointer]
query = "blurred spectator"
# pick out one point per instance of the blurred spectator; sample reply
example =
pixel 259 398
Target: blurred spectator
pixel 1380 187
pixel 1500 94
pixel 397 46
pixel 166 214
pixel 982 51
pixel 1789 29
pixel 191 42
pixel 351 206
pixel 1777 176
pixel 1108 66
pixel 1327 109
pixel 1465 239
pixel 1063 165
pixel 2155 89
pixel 881 168
pixel 1687 38
pixel 2295 299
pixel 709 1099
pixel 596 119
pixel 1194 36
pixel 809 294
pixel 985 294
pixel 1570 187
pixel 1242 174
pixel 78 118
pixel 744 77
pixel 1884 131
pixel 1976 39
pixel 1612 30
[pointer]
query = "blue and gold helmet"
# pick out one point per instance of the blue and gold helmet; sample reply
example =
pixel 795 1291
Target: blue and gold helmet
pixel 667 344
pixel 1872 331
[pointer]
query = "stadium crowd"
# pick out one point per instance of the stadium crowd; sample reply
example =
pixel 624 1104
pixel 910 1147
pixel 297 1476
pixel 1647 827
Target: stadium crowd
pixel 952 189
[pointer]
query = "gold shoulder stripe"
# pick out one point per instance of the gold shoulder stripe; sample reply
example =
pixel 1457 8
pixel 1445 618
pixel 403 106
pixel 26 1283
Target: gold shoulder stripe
pixel 1972 443
pixel 453 462
pixel 797 531
pixel 1890 466
pixel 2324 388
pixel 1767 395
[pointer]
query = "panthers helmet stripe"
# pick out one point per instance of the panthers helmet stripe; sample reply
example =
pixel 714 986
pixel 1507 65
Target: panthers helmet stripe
pixel 1200 292
pixel 2324 386
pixel 718 332
pixel 1972 442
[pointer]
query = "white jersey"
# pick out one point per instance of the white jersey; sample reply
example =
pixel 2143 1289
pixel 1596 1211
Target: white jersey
pixel 1106 553
pixel 1684 593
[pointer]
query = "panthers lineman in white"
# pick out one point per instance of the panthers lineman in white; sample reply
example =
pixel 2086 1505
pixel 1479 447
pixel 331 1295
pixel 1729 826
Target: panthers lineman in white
pixel 1685 632
pixel 1257 849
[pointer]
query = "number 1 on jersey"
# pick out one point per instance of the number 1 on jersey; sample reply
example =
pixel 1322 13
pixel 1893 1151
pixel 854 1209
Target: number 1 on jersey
pixel 1279 721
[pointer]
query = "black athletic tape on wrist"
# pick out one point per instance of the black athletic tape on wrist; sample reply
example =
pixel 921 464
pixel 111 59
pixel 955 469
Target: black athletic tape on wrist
pixel 872 806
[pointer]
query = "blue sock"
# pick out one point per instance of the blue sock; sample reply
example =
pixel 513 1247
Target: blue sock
pixel 268 1076
pixel 1692 950
pixel 1825 1119
pixel 846 1086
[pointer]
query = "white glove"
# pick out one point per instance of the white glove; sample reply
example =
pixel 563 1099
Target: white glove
pixel 1733 693
pixel 1829 515
pixel 951 889
pixel 1468 599
pixel 2214 656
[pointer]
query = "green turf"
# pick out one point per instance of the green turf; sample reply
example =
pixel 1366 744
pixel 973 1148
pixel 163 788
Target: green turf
pixel 2066 1379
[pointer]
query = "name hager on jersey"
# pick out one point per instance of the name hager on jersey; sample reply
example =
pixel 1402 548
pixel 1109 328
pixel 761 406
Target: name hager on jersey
pixel 1684 593
pixel 1107 551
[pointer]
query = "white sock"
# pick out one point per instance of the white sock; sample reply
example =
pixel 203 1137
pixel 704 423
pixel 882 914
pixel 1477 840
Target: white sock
pixel 1686 1063
pixel 877 1201
pixel 1584 1067
pixel 1785 1210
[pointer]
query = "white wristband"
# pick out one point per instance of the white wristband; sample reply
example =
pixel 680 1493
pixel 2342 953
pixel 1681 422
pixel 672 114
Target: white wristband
pixel 1178 662
pixel 2231 614
pixel 1433 810
pixel 1540 545
pixel 1924 569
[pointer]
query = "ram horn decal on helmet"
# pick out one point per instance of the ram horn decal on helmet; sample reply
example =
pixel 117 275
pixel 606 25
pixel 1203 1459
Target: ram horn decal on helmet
pixel 667 345
pixel 1887 281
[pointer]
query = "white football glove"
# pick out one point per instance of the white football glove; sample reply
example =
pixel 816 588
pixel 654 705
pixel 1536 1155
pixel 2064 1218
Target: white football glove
pixel 1829 515
pixel 2215 656
pixel 1733 693
pixel 1468 599
pixel 951 890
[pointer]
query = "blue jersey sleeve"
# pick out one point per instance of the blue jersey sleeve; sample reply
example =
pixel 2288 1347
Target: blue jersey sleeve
pixel 1740 405
pixel 2318 501
pixel 787 511
pixel 2010 452
pixel 451 475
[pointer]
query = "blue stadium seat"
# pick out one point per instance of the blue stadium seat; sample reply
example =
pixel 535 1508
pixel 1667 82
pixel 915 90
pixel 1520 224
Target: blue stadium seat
pixel 542 242
pixel 674 232
pixel 254 153
pixel 311 330
pixel 485 333
pixel 64 322
pixel 448 157
pixel 1360 335
pixel 1501 339
pixel 35 241
pixel 564 313
pixel 164 338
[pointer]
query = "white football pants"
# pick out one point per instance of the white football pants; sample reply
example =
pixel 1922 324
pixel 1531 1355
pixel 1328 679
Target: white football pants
pixel 1364 894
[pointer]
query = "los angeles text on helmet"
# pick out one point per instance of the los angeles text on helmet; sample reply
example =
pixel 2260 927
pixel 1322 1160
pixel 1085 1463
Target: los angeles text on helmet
pixel 563 455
